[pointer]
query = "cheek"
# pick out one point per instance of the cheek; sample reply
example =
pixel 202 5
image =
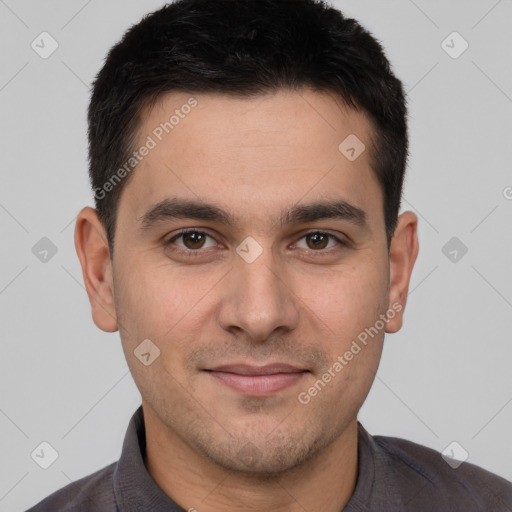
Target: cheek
pixel 347 299
pixel 150 305
pixel 166 305
pixel 150 299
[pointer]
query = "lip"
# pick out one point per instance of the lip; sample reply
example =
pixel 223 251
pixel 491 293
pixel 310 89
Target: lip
pixel 257 380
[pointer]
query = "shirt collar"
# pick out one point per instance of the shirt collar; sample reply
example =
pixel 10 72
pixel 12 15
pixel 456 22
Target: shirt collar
pixel 134 488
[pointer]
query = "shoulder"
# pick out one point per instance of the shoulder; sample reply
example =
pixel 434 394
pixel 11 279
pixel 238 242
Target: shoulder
pixel 431 476
pixel 90 493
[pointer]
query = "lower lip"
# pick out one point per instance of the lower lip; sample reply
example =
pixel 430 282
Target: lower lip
pixel 257 385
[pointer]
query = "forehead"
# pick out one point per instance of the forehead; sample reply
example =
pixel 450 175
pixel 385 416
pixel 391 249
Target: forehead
pixel 253 154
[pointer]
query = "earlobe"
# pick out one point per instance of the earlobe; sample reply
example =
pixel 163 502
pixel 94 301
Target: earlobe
pixel 93 252
pixel 402 256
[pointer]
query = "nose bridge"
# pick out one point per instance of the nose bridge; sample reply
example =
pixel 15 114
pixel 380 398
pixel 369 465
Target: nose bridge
pixel 260 300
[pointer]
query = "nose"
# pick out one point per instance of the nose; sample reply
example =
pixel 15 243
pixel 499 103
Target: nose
pixel 259 299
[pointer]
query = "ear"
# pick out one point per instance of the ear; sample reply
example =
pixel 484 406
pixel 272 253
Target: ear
pixel 402 256
pixel 94 255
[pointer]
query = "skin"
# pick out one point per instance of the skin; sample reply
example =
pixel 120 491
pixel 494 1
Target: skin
pixel 209 446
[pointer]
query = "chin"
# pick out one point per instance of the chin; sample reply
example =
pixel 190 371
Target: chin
pixel 264 458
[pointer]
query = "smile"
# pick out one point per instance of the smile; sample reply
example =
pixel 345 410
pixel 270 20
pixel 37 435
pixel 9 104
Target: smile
pixel 257 381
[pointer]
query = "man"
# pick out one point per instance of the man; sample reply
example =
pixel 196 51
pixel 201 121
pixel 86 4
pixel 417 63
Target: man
pixel 247 159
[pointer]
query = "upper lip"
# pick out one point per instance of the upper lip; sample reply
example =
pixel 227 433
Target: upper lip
pixel 268 369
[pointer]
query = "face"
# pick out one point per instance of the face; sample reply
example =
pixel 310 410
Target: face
pixel 284 265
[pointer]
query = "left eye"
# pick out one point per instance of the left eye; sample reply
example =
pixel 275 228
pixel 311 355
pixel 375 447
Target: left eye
pixel 194 240
pixel 319 240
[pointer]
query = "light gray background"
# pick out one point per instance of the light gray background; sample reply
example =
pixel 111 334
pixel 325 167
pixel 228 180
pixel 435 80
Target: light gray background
pixel 445 376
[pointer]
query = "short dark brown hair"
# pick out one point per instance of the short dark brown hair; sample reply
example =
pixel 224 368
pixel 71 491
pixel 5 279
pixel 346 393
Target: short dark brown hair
pixel 243 48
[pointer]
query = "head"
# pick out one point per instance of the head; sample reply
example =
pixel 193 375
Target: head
pixel 276 134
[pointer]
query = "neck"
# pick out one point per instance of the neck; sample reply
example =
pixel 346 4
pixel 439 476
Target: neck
pixel 325 482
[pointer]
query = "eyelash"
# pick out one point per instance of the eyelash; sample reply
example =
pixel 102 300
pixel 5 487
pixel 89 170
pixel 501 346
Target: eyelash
pixel 200 252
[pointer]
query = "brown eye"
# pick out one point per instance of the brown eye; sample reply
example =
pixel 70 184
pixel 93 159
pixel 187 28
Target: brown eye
pixel 192 241
pixel 318 240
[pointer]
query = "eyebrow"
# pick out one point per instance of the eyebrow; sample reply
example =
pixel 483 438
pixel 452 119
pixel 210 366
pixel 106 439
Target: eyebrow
pixel 179 208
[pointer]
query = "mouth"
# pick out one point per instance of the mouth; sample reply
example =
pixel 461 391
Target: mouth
pixel 257 380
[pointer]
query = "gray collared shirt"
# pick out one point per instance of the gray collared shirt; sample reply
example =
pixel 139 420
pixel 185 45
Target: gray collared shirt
pixel 394 475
